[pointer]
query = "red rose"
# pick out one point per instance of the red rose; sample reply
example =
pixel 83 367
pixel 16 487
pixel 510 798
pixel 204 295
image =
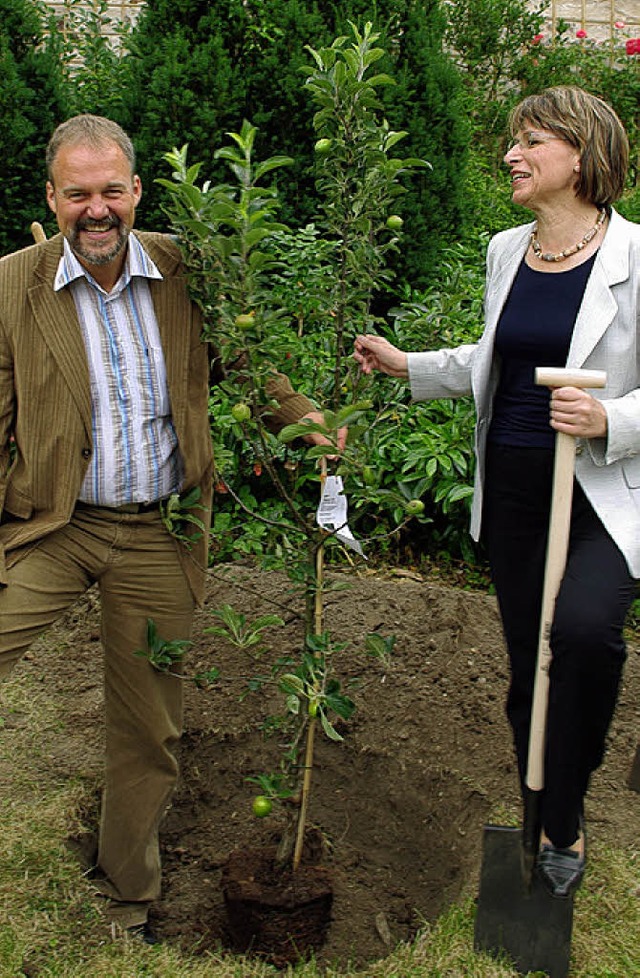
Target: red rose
pixel 581 33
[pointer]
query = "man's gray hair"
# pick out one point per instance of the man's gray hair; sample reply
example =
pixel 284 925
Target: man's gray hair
pixel 92 130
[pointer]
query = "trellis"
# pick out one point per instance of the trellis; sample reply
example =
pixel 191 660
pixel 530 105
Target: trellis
pixel 118 12
pixel 600 19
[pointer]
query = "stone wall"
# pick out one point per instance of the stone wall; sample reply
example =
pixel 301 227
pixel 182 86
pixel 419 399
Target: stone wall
pixel 117 11
pixel 597 17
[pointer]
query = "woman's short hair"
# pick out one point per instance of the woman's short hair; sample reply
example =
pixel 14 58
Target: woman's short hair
pixel 588 123
pixel 92 130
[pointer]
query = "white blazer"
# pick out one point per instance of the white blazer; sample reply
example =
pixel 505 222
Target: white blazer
pixel 605 337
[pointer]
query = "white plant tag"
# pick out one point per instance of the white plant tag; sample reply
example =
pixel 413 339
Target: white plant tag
pixel 332 513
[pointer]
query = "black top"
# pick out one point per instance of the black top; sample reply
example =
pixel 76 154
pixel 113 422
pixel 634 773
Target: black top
pixel 534 330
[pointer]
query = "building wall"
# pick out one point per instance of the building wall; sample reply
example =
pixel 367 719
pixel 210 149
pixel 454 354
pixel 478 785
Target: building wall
pixel 117 11
pixel 597 17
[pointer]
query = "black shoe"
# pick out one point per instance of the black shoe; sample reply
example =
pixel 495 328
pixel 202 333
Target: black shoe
pixel 144 933
pixel 561 870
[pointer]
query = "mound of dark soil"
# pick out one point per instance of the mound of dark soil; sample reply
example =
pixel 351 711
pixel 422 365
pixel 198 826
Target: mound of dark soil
pixel 400 802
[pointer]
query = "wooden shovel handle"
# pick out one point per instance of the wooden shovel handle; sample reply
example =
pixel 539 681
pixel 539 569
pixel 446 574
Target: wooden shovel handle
pixel 557 546
pixel 570 377
pixel 38 232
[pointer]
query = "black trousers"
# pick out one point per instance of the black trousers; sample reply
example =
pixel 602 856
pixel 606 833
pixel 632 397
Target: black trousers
pixel 586 638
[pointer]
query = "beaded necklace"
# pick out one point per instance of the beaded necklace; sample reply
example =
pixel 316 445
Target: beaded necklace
pixel 561 255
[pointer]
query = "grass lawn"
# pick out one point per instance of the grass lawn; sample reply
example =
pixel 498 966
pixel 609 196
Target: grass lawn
pixel 50 927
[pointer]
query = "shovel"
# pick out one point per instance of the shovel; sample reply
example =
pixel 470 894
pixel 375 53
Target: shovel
pixel 516 915
pixel 38 232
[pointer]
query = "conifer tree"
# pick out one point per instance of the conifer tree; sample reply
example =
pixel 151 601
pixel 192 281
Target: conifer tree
pixel 31 104
pixel 197 69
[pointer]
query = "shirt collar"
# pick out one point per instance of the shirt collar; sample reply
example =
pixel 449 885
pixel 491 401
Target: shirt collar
pixel 137 264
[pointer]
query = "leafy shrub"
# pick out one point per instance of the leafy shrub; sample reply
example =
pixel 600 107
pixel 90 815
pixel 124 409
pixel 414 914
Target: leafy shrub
pixel 601 67
pixel 409 450
pixel 196 69
pixel 31 103
pixel 436 438
pixel 503 53
pixel 629 205
pixel 487 38
pixel 91 64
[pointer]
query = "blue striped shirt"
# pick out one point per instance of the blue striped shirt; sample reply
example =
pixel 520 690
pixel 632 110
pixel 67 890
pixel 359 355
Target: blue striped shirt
pixel 135 448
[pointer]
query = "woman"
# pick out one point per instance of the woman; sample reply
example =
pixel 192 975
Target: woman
pixel 564 290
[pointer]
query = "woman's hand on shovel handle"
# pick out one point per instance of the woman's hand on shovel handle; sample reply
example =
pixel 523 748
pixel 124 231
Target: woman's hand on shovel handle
pixel 576 412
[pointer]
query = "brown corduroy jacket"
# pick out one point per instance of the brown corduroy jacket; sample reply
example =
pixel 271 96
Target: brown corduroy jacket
pixel 45 400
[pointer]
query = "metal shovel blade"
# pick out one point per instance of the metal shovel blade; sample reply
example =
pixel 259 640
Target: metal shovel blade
pixel 525 922
pixel 634 777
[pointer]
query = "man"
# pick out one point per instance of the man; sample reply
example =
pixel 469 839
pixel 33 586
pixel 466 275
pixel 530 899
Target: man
pixel 104 384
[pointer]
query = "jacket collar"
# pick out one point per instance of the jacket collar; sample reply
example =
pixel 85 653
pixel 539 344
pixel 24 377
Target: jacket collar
pixel 56 317
pixel 613 254
pixel 598 307
pixel 165 257
pixel 614 251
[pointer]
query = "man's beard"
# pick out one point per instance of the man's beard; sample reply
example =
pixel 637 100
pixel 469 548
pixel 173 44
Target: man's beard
pixel 97 256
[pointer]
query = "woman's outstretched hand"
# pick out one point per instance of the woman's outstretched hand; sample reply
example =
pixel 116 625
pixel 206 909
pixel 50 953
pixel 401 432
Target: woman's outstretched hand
pixel 376 353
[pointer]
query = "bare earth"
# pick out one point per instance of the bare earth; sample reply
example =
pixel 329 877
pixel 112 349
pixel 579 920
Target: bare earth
pixel 426 758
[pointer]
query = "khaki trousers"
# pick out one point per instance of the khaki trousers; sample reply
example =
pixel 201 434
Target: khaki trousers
pixel 135 562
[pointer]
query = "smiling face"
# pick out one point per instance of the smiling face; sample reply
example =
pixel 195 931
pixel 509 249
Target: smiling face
pixel 543 168
pixel 94 197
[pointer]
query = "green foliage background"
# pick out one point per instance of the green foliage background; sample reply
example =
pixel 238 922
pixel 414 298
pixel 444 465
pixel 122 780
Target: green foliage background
pixel 32 100
pixel 191 71
pixel 198 69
